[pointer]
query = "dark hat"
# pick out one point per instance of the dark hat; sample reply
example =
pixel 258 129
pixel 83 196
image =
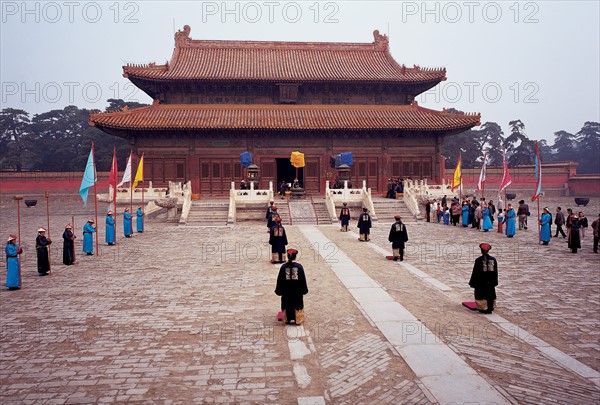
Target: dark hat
pixel 485 247
pixel 397 217
pixel 345 204
pixel 292 251
pixel 274 208
pixel 365 210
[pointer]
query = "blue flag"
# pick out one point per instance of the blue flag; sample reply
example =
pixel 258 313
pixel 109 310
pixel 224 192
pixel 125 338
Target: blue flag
pixel 89 178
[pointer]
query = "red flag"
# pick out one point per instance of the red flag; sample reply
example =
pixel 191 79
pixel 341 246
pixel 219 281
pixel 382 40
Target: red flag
pixel 114 171
pixel 506 175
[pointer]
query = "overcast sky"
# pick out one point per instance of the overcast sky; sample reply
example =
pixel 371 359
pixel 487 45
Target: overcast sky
pixel 536 61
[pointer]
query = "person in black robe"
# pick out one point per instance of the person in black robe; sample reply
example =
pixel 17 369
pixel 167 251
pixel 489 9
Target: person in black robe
pixel 428 211
pixel 268 215
pixel 291 287
pixel 68 245
pixel 41 246
pixel 574 239
pixel 398 236
pixel 278 241
pixel 274 215
pixel 484 280
pixel 345 217
pixel 364 226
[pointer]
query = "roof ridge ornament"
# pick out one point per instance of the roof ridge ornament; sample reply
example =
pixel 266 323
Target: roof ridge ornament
pixel 182 38
pixel 155 102
pixel 381 42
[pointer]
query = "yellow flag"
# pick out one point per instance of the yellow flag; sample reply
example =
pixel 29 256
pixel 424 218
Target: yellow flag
pixel 139 174
pixel 297 159
pixel 457 175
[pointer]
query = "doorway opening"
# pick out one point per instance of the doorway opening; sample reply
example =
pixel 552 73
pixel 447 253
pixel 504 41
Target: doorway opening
pixel 286 172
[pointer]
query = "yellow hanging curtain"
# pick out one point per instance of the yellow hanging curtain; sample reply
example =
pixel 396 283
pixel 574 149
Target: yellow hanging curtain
pixel 297 159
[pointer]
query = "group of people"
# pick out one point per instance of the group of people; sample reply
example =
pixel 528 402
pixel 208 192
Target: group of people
pixel 394 186
pixel 481 215
pixel 291 279
pixel 398 235
pixel 42 244
pixel 110 234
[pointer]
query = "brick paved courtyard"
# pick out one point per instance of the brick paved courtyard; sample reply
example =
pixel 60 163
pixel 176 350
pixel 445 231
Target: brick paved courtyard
pixel 188 315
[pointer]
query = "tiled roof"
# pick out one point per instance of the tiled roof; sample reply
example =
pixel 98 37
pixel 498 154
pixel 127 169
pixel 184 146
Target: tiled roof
pixel 284 117
pixel 282 61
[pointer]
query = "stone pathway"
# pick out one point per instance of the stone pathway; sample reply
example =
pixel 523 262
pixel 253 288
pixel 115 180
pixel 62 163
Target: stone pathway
pixel 188 315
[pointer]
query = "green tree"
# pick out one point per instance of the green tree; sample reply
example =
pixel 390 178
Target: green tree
pixel 494 138
pixel 589 148
pixel 17 141
pixel 519 148
pixel 565 146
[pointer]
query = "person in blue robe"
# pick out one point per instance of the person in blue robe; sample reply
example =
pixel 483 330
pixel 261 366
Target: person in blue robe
pixel 127 227
pixel 545 221
pixel 110 234
pixel 139 223
pixel 68 245
pixel 446 216
pixel 278 241
pixel 487 221
pixel 42 245
pixel 364 226
pixel 465 214
pixel 510 221
pixel 345 217
pixel 13 266
pixel 88 239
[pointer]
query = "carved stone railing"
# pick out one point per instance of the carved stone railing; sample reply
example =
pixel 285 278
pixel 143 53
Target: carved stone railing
pixel 416 191
pixel 349 195
pixel 249 196
pixel 187 202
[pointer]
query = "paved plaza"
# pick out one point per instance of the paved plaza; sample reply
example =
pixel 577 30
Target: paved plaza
pixel 184 315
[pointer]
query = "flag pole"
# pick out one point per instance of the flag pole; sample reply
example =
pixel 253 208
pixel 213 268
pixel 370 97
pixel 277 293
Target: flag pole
pixel 18 198
pixel 95 199
pixel 47 195
pixel 539 222
pixel 130 186
pixel 74 237
pixel 115 195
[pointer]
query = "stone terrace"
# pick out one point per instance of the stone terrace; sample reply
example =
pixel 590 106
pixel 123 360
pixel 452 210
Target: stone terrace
pixel 188 315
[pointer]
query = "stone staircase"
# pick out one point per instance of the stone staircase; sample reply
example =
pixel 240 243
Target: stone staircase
pixel 256 212
pixel 386 209
pixel 208 213
pixel 323 217
pixel 302 212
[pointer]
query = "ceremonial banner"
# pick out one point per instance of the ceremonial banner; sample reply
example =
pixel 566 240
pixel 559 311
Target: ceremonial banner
pixel 456 180
pixel 297 159
pixel 538 173
pixel 139 174
pixel 481 181
pixel 114 173
pixel 506 175
pixel 89 178
pixel 127 174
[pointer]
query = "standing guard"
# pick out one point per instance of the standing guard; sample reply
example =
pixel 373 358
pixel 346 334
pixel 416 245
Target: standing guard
pixel 398 236
pixel 364 226
pixel 345 217
pixel 278 241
